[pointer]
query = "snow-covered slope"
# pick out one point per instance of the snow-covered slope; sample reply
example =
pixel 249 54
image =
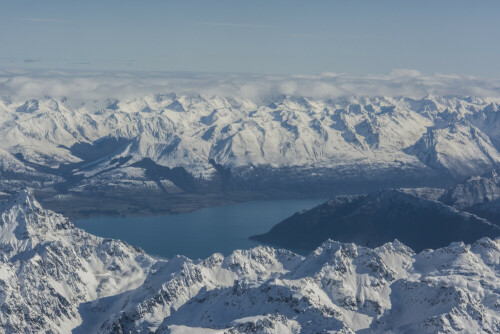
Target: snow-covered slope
pixel 342 288
pixel 57 278
pixel 48 267
pixel 458 147
pixel 479 195
pixel 81 146
pixel 476 190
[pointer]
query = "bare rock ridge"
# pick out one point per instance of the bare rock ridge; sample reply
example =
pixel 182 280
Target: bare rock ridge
pixel 374 219
pixel 57 278
pixel 419 217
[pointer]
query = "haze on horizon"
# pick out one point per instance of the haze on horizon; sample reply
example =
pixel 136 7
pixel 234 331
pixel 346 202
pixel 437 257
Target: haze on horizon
pixel 283 37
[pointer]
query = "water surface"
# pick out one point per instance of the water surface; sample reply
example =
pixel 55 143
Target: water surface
pixel 201 233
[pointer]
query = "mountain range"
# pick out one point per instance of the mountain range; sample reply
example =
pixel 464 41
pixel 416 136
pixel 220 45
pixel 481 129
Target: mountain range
pixel 204 150
pixel 57 278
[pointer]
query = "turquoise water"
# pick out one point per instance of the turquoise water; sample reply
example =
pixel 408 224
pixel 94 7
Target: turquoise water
pixel 201 233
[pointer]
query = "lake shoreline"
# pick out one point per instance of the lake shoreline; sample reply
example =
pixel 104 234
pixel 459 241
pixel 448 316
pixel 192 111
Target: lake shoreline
pixel 83 206
pixel 200 233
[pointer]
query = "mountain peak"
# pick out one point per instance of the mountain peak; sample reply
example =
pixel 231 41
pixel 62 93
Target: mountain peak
pixel 24 224
pixel 48 267
pixel 25 197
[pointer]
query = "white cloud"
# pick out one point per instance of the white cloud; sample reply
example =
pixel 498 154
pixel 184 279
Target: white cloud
pixel 25 84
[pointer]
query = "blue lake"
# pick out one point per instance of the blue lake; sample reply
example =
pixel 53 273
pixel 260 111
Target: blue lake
pixel 201 233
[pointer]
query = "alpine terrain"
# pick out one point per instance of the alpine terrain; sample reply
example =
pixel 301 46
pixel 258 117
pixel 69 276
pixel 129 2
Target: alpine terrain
pixel 233 167
pixel 57 278
pixel 205 150
pixel 419 217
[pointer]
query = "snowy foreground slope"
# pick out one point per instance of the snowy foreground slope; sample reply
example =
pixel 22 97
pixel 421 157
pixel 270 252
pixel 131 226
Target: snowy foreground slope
pixel 175 144
pixel 55 277
pixel 48 267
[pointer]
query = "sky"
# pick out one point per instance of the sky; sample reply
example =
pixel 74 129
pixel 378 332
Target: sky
pixel 260 37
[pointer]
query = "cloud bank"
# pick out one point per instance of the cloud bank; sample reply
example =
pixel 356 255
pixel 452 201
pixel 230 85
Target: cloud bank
pixel 95 85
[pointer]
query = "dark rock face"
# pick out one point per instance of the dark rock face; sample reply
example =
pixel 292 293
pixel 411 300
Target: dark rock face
pixel 372 220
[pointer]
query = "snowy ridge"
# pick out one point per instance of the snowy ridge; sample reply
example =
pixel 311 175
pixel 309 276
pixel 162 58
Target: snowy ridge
pixel 48 267
pixel 56 277
pixel 84 144
pixel 479 195
pixel 476 190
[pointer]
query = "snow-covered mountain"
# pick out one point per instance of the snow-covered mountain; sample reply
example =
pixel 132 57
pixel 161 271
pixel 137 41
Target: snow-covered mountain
pixel 479 195
pixel 476 190
pixel 174 144
pixel 48 267
pixel 57 278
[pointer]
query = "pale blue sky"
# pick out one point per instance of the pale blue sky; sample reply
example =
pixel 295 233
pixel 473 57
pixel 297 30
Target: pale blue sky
pixel 355 37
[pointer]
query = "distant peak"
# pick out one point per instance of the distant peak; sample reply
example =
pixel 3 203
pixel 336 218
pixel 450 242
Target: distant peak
pixel 25 197
pixel 29 106
pixel 329 246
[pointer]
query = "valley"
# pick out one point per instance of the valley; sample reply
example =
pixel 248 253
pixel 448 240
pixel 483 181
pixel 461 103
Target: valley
pixel 176 153
pixel 407 242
